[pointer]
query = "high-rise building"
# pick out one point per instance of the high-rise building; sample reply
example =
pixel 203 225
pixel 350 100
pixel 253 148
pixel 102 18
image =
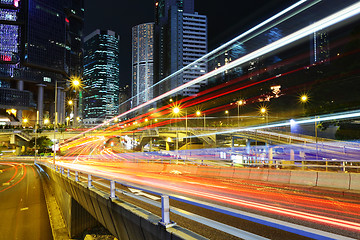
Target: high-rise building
pixel 40 47
pixel 180 38
pixel 101 76
pixel 319 47
pixel 142 63
pixel 124 96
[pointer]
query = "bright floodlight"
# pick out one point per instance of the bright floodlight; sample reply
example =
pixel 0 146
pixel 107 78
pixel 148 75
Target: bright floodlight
pixel 304 98
pixel 263 110
pixel 176 110
pixel 198 113
pixel 70 102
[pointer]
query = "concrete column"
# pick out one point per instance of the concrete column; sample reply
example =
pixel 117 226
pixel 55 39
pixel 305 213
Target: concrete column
pixel 292 155
pixel 20 86
pixel 60 105
pixel 40 103
pixel 248 147
pixel 75 112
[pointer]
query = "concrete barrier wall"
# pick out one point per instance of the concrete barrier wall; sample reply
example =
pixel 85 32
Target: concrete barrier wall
pixel 333 180
pixel 279 176
pixel 307 178
pixel 84 207
pixel 355 181
pixel 340 180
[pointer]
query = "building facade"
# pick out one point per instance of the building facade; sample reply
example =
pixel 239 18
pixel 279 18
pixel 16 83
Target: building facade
pixel 142 63
pixel 180 38
pixel 41 47
pixel 101 76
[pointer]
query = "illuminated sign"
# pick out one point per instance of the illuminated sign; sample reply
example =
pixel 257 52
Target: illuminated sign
pixel 47 79
pixel 16 3
pixel 5 58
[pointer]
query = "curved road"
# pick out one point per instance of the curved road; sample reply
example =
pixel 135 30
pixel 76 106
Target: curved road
pixel 23 212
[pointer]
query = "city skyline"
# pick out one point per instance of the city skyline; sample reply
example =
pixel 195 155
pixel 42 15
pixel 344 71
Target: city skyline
pixel 231 21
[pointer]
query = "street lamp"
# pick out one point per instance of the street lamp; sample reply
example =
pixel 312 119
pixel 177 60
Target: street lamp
pixel 198 113
pixel 263 112
pixel 239 103
pixel 227 113
pixel 176 111
pixel 304 98
pixel 46 121
pixel 75 84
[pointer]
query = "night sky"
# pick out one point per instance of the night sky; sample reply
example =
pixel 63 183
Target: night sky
pixel 226 20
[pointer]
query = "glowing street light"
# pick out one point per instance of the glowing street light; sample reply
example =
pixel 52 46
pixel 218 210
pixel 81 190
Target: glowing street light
pixel 227 113
pixel 46 121
pixel 76 85
pixel 198 113
pixel 304 98
pixel 239 103
pixel 25 121
pixel 176 110
pixel 264 111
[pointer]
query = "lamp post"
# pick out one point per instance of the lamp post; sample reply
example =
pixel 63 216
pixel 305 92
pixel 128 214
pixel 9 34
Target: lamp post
pixel 75 85
pixel 198 113
pixel 36 130
pixel 227 114
pixel 264 111
pixel 239 103
pixel 303 99
pixel 176 111
pixel 71 104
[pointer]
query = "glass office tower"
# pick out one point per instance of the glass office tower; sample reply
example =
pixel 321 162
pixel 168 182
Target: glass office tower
pixel 41 46
pixel 142 63
pixel 101 76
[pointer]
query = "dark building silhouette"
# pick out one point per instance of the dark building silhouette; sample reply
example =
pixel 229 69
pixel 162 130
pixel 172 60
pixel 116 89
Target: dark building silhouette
pixel 180 38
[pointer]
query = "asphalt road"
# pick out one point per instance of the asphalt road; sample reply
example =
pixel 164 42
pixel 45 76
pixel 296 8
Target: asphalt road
pixel 23 212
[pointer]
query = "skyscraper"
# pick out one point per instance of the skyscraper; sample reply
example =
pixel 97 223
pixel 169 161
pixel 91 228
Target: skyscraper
pixel 142 63
pixel 101 76
pixel 319 48
pixel 41 45
pixel 180 38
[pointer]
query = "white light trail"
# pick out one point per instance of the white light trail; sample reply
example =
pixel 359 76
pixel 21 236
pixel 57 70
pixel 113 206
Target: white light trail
pixel 326 22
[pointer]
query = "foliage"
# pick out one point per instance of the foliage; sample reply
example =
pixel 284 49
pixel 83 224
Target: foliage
pixel 43 143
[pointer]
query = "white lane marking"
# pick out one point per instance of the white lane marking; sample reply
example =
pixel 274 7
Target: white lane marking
pixel 23 209
pixel 141 193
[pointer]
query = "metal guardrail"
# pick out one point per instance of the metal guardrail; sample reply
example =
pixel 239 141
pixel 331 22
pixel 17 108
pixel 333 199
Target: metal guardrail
pixel 166 208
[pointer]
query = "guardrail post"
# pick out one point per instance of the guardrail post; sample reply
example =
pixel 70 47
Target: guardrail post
pixel 344 168
pixel 76 176
pixel 68 173
pixel 165 210
pixel 112 189
pixel 89 181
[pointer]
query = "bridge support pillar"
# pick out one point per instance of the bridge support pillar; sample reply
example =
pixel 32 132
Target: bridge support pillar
pixel 270 156
pixel 248 146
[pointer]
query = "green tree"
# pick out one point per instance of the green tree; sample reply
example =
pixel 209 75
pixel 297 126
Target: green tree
pixel 43 143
